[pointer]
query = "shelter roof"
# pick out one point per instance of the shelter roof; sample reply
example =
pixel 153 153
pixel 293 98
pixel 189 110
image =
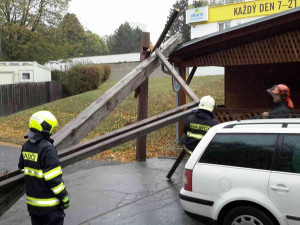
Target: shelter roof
pixel 262 28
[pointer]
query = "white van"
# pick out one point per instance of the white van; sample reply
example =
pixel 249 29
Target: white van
pixel 245 173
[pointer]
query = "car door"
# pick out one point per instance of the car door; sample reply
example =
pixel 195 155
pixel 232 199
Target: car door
pixel 232 161
pixel 284 183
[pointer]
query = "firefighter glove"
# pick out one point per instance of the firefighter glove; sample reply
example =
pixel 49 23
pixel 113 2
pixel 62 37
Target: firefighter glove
pixel 65 202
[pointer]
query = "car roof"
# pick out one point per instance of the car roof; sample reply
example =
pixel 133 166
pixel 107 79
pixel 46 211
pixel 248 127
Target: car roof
pixel 254 126
pixel 280 123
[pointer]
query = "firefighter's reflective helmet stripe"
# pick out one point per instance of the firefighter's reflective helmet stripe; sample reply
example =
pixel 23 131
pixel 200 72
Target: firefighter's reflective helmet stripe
pixel 193 135
pixel 42 202
pixel 59 188
pixel 33 172
pixel 53 173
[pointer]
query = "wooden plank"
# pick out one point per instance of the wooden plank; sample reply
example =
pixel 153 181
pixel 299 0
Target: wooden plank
pixel 178 78
pixel 11 190
pixel 112 134
pixel 79 127
pixel 176 164
pixel 127 129
pixel 12 184
pixel 123 138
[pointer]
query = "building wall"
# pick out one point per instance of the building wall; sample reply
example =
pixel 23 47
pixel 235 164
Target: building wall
pixel 201 30
pixel 120 64
pixel 245 86
pixel 6 77
pixel 41 74
pixel 11 72
pixel 103 59
pixel 119 70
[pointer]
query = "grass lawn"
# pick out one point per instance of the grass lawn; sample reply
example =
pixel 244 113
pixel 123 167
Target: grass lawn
pixel 161 98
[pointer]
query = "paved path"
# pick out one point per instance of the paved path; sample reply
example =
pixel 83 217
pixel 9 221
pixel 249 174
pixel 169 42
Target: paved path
pixel 135 193
pixel 9 158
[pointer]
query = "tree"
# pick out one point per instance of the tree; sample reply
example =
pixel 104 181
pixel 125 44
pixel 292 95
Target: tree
pixel 124 40
pixel 198 3
pixel 94 45
pixel 179 25
pixel 28 30
pixel 73 35
pixel 20 44
pixel 32 14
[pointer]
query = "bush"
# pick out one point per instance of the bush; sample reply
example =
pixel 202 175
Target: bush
pixel 81 78
pixel 58 75
pixel 106 72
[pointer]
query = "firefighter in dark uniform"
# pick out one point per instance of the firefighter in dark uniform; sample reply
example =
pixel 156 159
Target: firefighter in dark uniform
pixel 198 124
pixel 282 100
pixel 46 193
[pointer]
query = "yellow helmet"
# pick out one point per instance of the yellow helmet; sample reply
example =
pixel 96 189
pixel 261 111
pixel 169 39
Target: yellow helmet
pixel 43 121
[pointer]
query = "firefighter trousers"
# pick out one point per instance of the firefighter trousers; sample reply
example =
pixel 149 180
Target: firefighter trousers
pixel 54 218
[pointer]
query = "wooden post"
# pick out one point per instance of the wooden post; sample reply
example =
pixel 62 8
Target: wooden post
pixel 182 98
pixel 141 143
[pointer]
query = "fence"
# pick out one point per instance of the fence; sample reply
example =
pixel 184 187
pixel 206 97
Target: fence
pixel 18 97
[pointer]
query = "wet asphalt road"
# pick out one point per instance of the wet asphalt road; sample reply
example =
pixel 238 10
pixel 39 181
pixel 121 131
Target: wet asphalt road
pixel 100 192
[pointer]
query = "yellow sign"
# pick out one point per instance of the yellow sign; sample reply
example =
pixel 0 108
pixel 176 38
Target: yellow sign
pixel 249 9
pixel 30 156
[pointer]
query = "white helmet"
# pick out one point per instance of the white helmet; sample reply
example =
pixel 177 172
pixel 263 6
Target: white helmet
pixel 207 103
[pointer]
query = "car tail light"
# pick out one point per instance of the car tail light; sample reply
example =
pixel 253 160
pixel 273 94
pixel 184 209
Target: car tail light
pixel 187 179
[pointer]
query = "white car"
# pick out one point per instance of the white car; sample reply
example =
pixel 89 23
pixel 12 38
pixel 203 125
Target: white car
pixel 245 173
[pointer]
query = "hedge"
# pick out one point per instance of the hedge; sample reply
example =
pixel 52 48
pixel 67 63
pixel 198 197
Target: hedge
pixel 82 78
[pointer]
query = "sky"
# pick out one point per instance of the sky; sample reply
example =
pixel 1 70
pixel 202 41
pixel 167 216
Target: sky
pixel 103 17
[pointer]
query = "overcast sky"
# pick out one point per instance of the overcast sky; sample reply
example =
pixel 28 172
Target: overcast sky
pixel 103 17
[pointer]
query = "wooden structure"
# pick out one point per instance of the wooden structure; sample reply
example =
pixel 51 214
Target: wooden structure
pixel 255 47
pixel 256 55
pixel 12 184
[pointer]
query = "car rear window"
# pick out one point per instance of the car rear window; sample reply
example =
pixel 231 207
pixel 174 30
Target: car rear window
pixel 241 150
pixel 289 156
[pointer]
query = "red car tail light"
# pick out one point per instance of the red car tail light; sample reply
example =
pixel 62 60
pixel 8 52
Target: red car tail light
pixel 187 179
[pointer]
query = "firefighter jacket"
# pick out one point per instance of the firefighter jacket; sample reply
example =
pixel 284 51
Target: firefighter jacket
pixel 43 174
pixel 280 110
pixel 196 127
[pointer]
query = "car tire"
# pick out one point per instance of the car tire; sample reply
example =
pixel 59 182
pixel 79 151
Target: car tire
pixel 247 215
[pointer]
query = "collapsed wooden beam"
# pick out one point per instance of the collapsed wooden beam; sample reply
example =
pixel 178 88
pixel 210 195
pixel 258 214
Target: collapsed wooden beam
pixel 12 184
pixel 127 129
pixel 132 134
pixel 11 190
pixel 87 120
pixel 112 134
pixel 188 81
pixel 177 77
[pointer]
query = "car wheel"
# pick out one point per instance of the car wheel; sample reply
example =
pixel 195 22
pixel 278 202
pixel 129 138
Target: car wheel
pixel 247 215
